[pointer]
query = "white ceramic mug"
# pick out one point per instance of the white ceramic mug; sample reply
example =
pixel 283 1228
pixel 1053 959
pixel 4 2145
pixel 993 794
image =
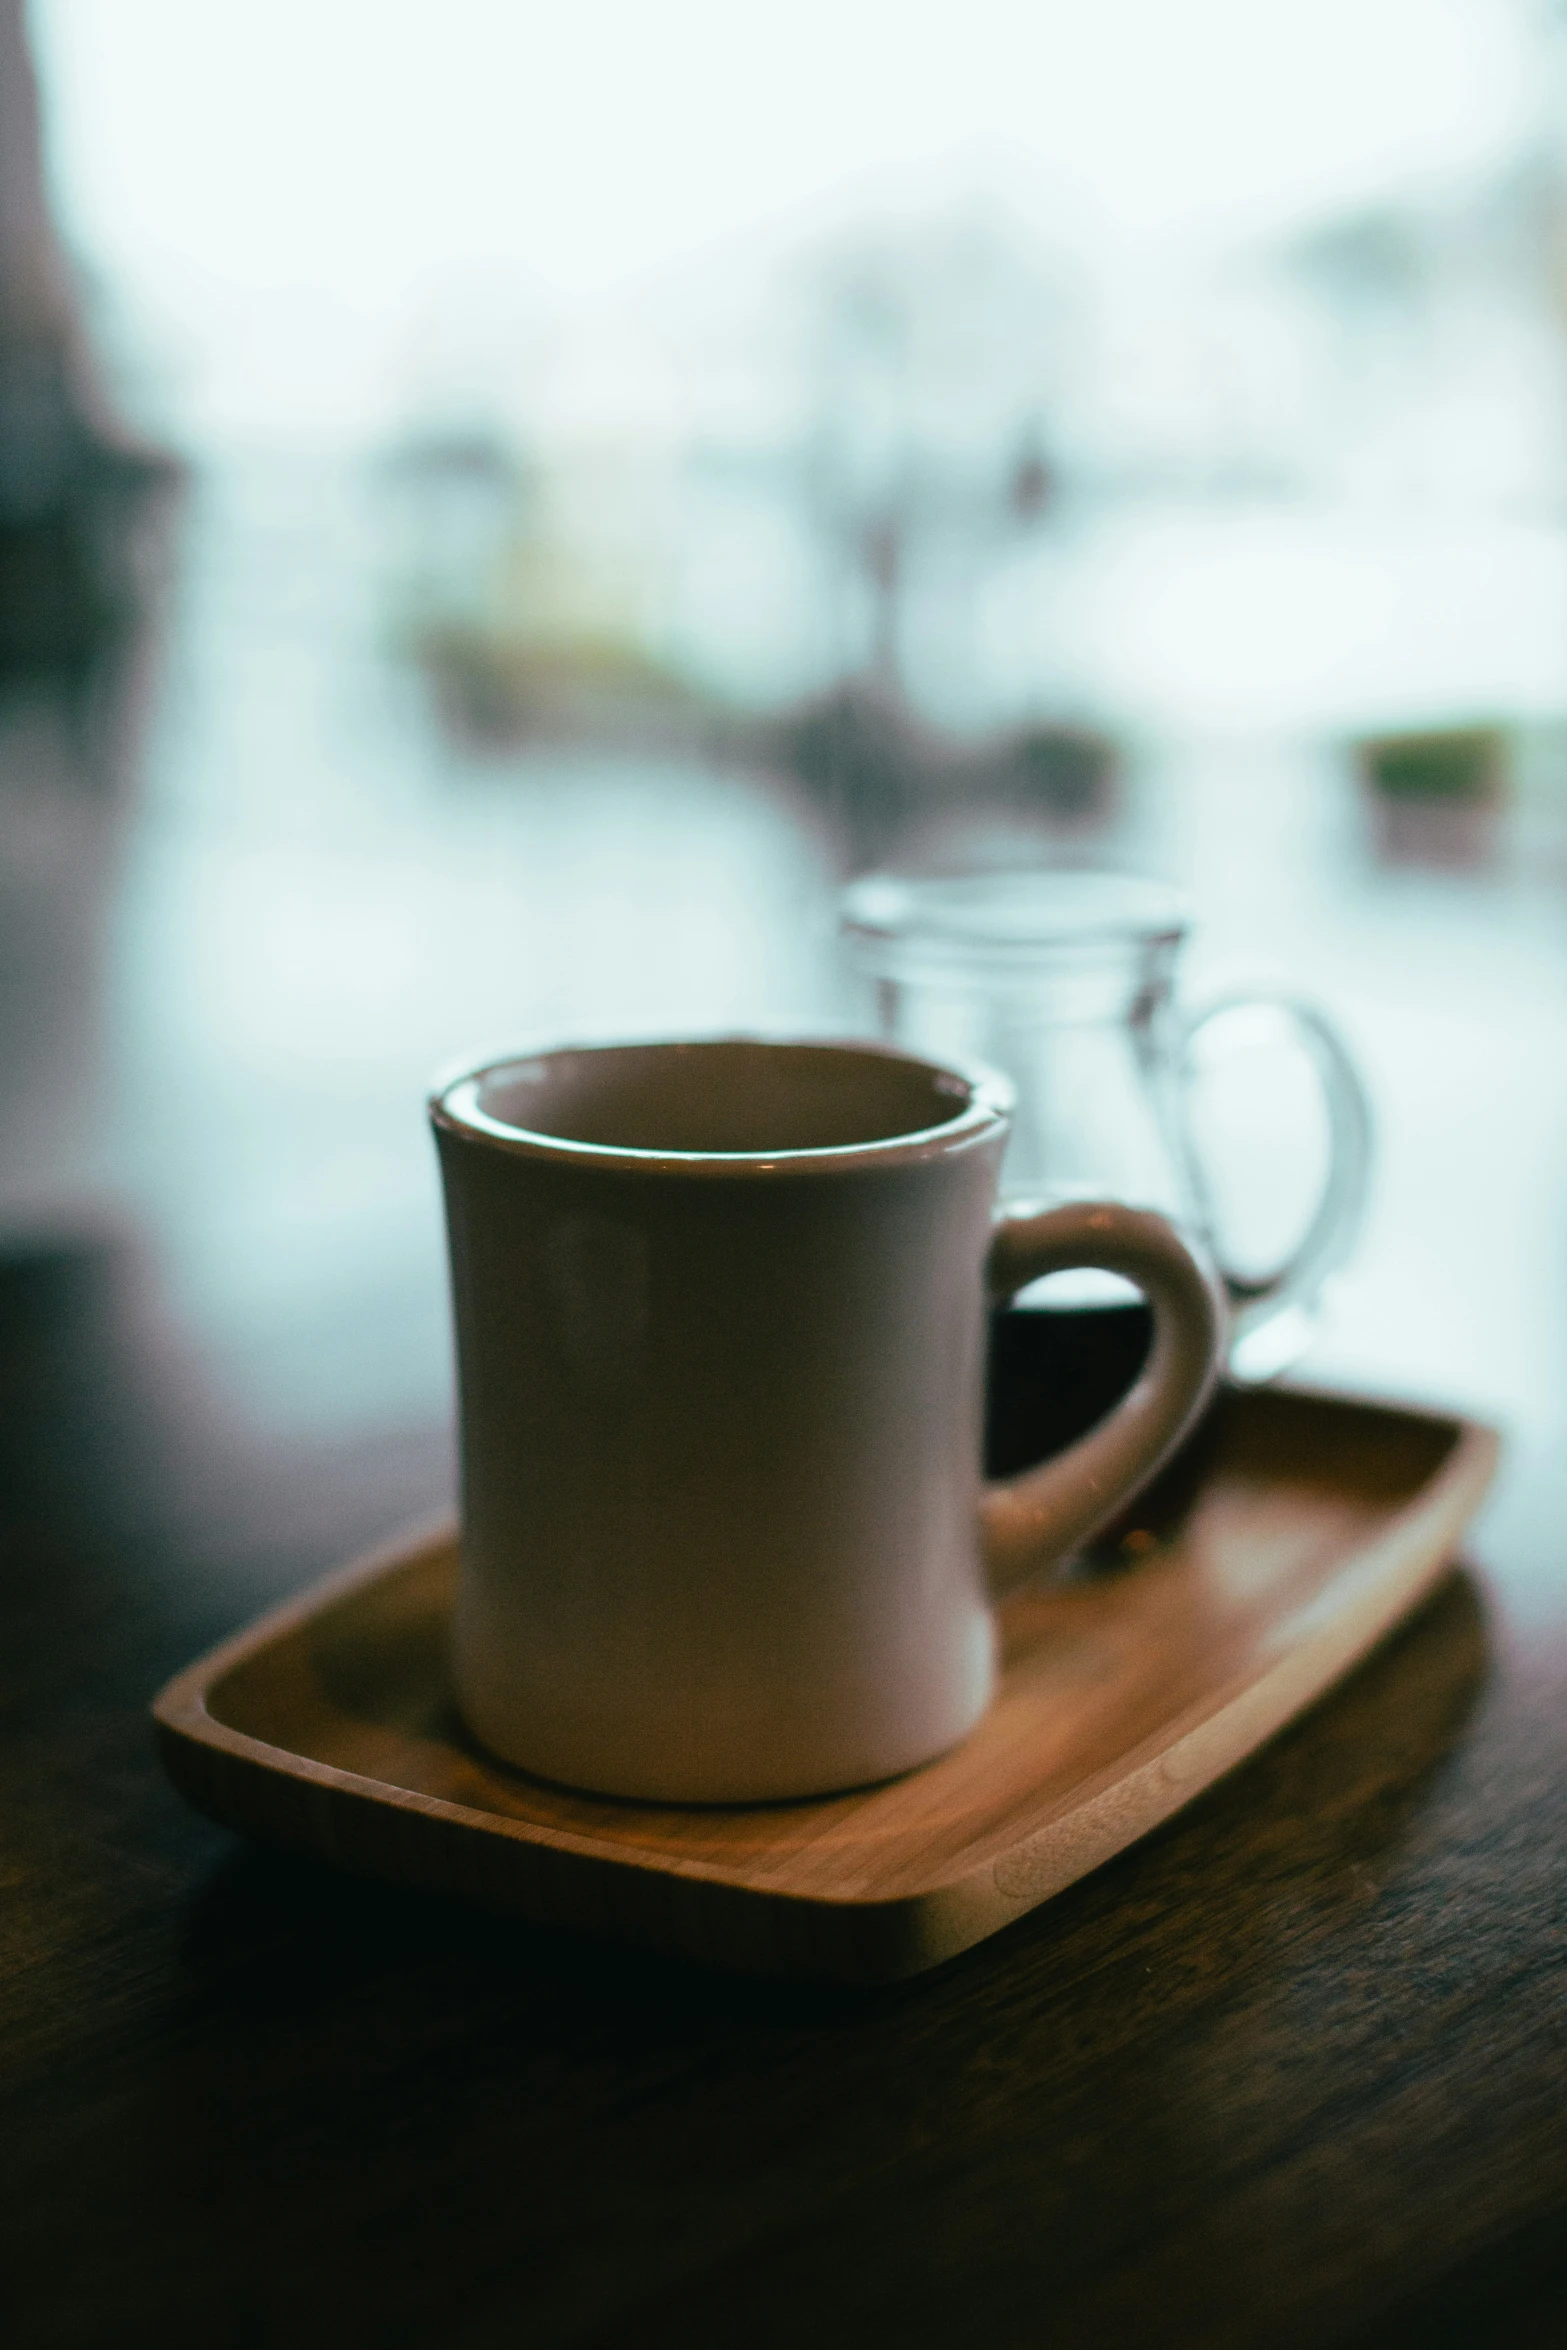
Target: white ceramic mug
pixel 720 1311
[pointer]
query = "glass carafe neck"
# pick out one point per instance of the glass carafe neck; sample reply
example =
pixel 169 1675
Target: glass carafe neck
pixel 1064 981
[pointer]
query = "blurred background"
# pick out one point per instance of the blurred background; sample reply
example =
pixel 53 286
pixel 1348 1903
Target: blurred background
pixel 504 509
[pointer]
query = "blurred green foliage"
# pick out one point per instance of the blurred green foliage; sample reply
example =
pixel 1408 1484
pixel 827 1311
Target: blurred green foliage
pixel 1461 765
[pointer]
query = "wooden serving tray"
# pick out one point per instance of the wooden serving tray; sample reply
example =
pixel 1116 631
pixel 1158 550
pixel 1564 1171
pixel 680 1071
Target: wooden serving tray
pixel 1317 1524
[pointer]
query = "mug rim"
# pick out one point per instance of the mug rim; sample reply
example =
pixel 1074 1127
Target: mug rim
pixel 453 1109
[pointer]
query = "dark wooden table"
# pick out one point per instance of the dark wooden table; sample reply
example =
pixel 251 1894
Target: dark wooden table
pixel 1293 2071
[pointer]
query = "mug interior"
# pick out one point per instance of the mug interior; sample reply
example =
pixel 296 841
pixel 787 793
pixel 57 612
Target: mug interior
pixel 732 1096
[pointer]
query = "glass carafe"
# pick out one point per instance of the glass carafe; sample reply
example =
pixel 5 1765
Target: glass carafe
pixel 1066 982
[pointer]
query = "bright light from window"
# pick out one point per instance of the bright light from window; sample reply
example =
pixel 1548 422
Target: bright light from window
pixel 280 194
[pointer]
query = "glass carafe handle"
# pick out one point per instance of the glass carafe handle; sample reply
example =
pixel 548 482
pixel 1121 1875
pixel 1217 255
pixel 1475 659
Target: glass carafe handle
pixel 1281 1301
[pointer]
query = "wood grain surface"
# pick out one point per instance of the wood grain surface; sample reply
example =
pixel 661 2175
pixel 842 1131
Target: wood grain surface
pixel 1291 2071
pixel 330 1727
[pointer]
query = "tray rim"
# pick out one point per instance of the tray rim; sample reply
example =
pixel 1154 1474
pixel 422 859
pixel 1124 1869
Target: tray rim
pixel 1099 1816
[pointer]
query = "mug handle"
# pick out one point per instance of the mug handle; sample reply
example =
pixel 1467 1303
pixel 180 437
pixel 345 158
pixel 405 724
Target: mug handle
pixel 1333 1231
pixel 1050 1510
